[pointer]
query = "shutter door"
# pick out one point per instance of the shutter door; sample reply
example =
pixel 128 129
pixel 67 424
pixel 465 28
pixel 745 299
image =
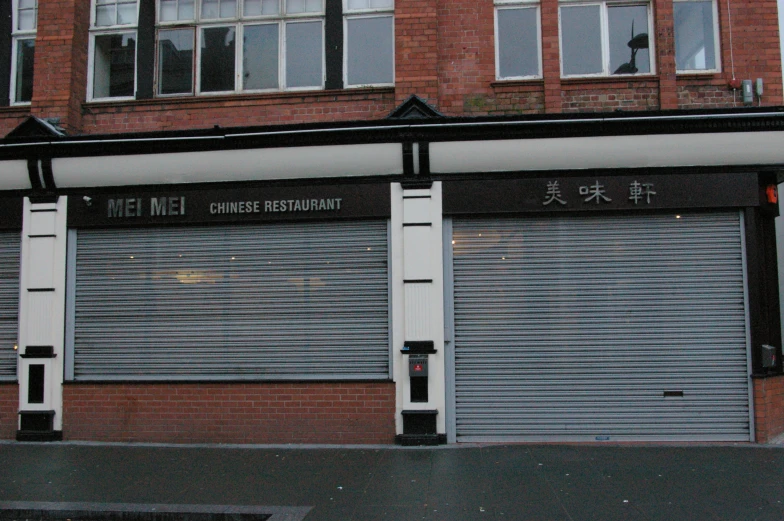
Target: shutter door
pixel 273 301
pixel 10 249
pixel 623 327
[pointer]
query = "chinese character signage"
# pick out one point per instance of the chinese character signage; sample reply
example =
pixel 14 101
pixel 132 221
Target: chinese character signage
pixel 555 193
pixel 597 193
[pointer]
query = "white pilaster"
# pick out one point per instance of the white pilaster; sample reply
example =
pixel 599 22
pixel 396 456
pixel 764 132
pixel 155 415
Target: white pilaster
pixel 417 292
pixel 42 302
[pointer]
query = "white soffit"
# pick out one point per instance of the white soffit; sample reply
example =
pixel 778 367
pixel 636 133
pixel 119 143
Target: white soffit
pixel 734 148
pixel 14 175
pixel 230 165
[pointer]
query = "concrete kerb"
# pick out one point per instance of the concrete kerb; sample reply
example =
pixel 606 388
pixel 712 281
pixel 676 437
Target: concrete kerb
pixel 777 442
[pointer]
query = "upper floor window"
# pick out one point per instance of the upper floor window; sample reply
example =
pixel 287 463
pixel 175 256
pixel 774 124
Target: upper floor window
pixel 517 52
pixel 25 22
pixel 195 47
pixel 605 38
pixel 696 35
pixel 112 67
pixel 220 46
pixel 369 43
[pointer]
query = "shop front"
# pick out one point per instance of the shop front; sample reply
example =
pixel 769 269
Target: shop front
pixel 263 309
pixel 422 281
pixel 600 307
pixel 10 242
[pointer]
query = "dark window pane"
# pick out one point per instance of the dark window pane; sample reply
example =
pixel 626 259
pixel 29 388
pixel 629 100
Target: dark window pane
pixel 581 40
pixel 115 68
pixel 518 43
pixel 628 27
pixel 36 383
pixel 369 52
pixel 25 53
pixel 695 47
pixel 304 54
pixel 175 62
pixel 260 57
pixel 217 59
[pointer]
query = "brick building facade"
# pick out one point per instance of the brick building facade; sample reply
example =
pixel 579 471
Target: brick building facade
pixel 404 126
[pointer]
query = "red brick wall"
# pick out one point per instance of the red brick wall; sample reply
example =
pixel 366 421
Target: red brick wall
pixel 230 412
pixel 466 52
pixel 416 50
pixel 582 96
pixel 664 39
pixel 755 45
pixel 60 79
pixel 445 53
pixel 506 100
pixel 10 118
pixel 551 55
pixel 466 44
pixel 768 408
pixel 708 96
pixel 190 113
pixel 9 409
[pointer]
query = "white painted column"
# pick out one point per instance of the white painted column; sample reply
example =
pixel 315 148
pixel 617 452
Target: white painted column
pixel 42 305
pixel 418 282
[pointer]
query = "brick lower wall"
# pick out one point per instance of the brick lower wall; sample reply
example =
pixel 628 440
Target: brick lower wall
pixel 768 408
pixel 579 96
pixel 506 101
pixel 231 111
pixel 10 118
pixel 231 412
pixel 9 409
pixel 710 96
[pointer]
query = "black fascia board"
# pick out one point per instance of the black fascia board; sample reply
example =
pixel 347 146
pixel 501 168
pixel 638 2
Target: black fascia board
pixel 763 119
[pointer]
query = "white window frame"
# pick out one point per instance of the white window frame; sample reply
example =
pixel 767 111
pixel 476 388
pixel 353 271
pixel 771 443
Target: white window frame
pixel 354 14
pixel 239 21
pixel 108 30
pixel 518 4
pixel 16 36
pixel 605 36
pixel 716 41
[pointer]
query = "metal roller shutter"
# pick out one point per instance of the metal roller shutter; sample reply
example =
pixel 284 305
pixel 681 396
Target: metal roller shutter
pixel 10 248
pixel 622 327
pixel 273 301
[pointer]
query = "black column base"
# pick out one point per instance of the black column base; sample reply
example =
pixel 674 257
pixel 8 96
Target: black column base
pixel 39 436
pixel 419 428
pixel 412 440
pixel 37 426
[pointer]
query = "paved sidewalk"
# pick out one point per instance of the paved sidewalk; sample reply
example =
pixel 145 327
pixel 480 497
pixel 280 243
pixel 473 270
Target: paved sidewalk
pixel 482 482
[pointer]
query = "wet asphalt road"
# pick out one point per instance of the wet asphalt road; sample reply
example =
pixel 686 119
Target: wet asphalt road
pixel 475 482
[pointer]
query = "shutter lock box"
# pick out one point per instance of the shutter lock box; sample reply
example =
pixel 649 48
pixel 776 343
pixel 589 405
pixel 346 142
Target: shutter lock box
pixel 768 356
pixel 417 372
pixel 417 365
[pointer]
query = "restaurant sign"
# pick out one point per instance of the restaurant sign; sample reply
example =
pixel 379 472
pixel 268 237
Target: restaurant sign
pixel 252 204
pixel 601 192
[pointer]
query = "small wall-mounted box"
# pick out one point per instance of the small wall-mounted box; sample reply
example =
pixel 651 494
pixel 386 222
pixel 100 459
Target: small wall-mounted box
pixel 417 366
pixel 769 356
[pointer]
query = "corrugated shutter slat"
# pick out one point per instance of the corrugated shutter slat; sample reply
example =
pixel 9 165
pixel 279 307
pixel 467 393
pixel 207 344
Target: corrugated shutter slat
pixel 10 249
pixel 574 327
pixel 274 301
